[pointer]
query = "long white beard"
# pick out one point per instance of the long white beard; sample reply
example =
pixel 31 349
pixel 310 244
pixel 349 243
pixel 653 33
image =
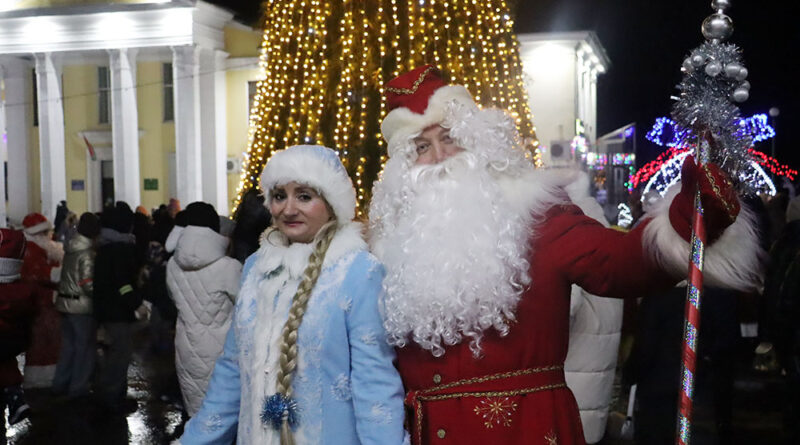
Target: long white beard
pixel 454 250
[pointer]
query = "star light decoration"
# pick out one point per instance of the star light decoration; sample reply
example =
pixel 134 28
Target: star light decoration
pixel 664 171
pixel 324 64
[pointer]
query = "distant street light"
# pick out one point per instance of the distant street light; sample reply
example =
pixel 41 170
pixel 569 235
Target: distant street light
pixel 774 112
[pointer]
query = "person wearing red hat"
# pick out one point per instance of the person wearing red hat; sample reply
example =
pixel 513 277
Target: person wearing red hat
pixel 481 250
pixel 42 266
pixel 17 308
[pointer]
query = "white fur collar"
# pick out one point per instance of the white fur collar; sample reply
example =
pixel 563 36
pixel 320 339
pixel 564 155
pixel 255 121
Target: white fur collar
pixel 535 191
pixel 276 251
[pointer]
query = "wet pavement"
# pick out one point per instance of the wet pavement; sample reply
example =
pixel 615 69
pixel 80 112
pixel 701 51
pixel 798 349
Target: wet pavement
pixel 156 416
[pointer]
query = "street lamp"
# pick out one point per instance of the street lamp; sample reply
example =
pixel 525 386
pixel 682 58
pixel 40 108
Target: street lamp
pixel 774 112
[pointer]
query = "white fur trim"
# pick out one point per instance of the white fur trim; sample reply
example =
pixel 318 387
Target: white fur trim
pixel 401 123
pixel 312 165
pixel 349 238
pixel 38 228
pixel 536 191
pixel 734 261
pixel 38 376
pixel 9 270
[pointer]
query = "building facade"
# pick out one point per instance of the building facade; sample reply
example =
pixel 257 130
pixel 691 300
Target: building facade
pixel 139 101
pixel 561 71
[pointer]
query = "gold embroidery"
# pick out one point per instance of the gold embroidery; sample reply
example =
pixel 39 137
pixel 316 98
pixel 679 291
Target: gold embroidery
pixel 551 438
pixel 717 192
pixel 516 392
pixel 422 396
pixel 414 87
pixel 496 411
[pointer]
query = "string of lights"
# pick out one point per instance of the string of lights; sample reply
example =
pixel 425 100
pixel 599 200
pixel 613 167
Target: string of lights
pixel 324 63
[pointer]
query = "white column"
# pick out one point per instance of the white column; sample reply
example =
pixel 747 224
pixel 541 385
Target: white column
pixel 186 87
pixel 593 106
pixel 51 134
pixel 125 126
pixel 214 128
pixel 17 79
pixel 3 156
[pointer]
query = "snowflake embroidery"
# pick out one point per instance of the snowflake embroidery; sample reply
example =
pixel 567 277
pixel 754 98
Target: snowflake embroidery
pixel 341 388
pixel 346 304
pixel 551 438
pixel 212 423
pixel 380 414
pixel 369 338
pixel 495 411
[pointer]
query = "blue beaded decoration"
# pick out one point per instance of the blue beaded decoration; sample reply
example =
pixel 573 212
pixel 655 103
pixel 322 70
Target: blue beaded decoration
pixel 276 408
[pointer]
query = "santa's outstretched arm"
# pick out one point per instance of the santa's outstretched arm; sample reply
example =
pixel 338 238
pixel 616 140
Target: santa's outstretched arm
pixel 655 255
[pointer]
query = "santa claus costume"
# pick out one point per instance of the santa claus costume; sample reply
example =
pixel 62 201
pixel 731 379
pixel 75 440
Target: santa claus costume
pixel 42 266
pixel 17 308
pixel 481 251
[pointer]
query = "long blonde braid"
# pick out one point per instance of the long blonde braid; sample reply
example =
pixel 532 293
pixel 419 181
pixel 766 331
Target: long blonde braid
pixel 288 357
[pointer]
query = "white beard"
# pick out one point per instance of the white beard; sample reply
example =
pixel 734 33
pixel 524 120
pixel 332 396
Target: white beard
pixel 454 248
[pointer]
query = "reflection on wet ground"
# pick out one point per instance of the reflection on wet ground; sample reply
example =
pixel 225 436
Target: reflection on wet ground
pixel 155 415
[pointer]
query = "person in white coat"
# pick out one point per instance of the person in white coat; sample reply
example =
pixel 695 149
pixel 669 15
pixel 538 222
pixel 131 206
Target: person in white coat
pixel 203 282
pixel 594 332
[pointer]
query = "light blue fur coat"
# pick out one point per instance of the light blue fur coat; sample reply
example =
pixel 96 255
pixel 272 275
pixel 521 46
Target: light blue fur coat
pixel 346 386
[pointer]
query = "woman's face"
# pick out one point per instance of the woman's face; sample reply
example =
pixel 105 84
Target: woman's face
pixel 298 211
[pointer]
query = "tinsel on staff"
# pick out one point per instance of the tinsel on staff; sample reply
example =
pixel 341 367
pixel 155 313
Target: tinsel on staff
pixel 714 78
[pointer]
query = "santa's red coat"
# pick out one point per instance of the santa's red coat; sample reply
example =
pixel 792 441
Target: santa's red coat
pixel 515 392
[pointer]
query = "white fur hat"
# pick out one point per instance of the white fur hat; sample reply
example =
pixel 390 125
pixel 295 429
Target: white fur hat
pixel 318 167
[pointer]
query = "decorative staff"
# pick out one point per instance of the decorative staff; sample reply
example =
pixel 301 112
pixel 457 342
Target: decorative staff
pixel 714 78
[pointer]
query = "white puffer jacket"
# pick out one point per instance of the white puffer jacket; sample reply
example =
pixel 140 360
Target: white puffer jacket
pixel 203 282
pixel 594 333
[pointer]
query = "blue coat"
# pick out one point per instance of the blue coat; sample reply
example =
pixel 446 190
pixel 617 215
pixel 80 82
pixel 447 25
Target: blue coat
pixel 346 386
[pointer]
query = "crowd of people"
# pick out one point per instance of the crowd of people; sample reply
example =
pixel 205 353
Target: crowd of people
pixel 76 289
pixel 445 318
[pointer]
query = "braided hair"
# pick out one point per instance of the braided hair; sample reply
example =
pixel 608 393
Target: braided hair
pixel 288 358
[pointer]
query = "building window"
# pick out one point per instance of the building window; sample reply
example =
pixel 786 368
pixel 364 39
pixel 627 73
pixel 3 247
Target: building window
pixel 35 99
pixel 169 101
pixel 103 94
pixel 252 89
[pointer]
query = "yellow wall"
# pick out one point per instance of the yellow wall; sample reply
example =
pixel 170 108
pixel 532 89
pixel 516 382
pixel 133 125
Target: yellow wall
pixel 242 42
pixel 80 113
pixel 238 124
pixel 159 136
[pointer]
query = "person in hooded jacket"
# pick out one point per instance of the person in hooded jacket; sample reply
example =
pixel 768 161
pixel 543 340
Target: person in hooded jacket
pixel 116 299
pixel 203 282
pixel 74 301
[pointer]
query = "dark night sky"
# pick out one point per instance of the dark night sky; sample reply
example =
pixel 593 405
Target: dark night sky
pixel 647 40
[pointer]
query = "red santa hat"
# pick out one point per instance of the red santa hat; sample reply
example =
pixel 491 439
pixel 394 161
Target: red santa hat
pixel 416 100
pixel 34 223
pixel 12 249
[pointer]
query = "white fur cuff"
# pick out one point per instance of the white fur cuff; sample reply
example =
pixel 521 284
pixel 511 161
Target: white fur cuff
pixel 734 261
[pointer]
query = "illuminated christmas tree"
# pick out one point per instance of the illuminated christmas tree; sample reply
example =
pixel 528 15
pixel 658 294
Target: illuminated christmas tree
pixel 325 63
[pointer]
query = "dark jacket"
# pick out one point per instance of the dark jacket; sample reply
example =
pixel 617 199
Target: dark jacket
pixel 116 295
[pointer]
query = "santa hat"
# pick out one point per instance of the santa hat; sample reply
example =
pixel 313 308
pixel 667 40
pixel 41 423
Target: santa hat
pixel 12 249
pixel 317 167
pixel 416 100
pixel 34 223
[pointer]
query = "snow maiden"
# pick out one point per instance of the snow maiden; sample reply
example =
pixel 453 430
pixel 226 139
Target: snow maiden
pixel 306 360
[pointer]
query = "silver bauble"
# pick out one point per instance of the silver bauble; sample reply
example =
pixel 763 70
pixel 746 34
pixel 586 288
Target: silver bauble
pixel 717 27
pixel 732 69
pixel 745 85
pixel 698 60
pixel 687 66
pixel 720 5
pixel 740 95
pixel 713 68
pixel 742 75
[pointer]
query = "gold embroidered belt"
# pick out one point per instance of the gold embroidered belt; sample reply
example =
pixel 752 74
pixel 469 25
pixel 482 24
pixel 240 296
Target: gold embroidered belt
pixel 505 384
